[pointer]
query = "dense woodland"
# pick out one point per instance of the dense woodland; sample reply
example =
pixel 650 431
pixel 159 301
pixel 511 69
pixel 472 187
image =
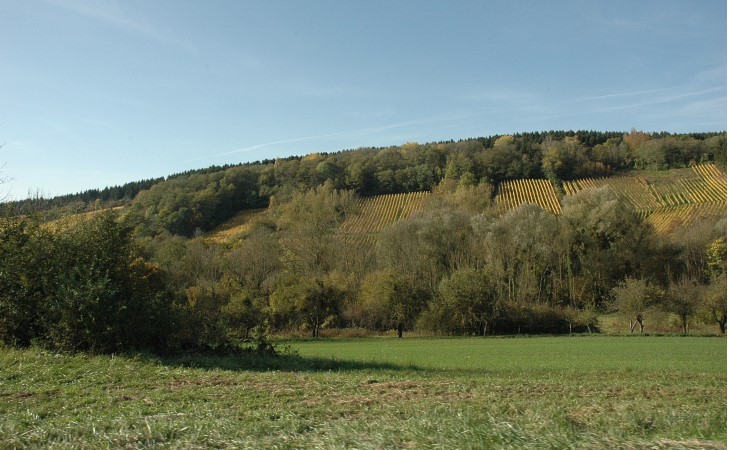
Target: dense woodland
pixel 145 276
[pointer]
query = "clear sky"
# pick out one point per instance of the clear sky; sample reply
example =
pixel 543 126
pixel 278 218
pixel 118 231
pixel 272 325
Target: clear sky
pixel 101 92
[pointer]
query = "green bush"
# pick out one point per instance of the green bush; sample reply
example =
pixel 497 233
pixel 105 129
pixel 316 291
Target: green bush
pixel 80 289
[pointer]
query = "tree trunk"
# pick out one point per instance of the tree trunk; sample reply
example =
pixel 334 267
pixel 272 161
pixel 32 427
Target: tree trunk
pixel 400 329
pixel 722 323
pixel 632 325
pixel 315 328
pixel 641 327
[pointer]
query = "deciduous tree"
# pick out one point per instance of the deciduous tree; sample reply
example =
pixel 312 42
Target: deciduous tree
pixel 683 299
pixel 468 300
pixel 389 300
pixel 633 299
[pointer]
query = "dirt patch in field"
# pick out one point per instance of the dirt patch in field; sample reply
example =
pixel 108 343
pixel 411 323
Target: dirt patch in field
pixel 18 395
pixel 408 390
pixel 674 392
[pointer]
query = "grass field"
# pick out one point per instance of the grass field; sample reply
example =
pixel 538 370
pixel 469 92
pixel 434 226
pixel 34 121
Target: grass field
pixel 541 392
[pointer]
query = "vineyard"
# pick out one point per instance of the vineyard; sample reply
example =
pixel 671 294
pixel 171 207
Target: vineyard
pixel 668 203
pixel 676 198
pixel 666 219
pixel 374 214
pixel 371 215
pixel 513 193
pixel 377 213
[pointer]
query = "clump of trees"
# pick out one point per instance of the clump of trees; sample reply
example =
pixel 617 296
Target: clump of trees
pixel 80 289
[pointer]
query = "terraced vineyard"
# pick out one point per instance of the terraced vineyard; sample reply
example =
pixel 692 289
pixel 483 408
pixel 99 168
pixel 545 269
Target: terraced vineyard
pixel 72 220
pixel 635 190
pixel 668 204
pixel 372 215
pixel 360 231
pixel 705 197
pixel 376 213
pixel 667 219
pixel 674 199
pixel 513 193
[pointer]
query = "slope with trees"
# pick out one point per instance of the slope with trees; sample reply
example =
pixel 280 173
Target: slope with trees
pixel 444 250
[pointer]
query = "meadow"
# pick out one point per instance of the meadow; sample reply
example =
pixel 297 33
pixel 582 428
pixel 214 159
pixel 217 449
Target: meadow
pixel 517 392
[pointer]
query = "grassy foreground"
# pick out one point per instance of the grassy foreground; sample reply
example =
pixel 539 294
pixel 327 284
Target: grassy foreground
pixel 547 392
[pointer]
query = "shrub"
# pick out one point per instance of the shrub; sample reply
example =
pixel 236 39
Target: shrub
pixel 80 289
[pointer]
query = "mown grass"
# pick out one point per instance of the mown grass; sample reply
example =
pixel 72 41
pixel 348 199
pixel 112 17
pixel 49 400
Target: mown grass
pixel 546 392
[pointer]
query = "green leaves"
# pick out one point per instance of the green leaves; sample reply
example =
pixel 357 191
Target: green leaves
pixel 80 289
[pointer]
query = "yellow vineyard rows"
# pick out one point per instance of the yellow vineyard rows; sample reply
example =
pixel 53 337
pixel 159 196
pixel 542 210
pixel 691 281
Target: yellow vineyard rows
pixel 72 220
pixel 377 213
pixel 713 177
pixel 374 214
pixel 636 191
pixel 665 204
pixel 513 193
pixel 667 219
pixel 709 185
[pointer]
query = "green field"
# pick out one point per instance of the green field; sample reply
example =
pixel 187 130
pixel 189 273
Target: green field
pixel 540 392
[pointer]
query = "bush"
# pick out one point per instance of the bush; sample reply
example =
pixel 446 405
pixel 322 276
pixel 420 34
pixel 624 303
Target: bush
pixel 80 289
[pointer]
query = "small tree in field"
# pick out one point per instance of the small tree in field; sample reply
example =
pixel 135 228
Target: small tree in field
pixel 684 299
pixel 309 302
pixel 634 297
pixel 470 300
pixel 389 301
pixel 715 302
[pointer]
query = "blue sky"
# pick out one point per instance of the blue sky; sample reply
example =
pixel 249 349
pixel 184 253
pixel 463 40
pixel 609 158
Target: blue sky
pixel 101 92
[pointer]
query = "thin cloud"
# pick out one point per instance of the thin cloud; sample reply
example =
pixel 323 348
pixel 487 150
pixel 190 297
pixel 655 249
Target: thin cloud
pixel 358 131
pixel 626 94
pixel 111 12
pixel 573 112
pixel 302 139
pixel 659 101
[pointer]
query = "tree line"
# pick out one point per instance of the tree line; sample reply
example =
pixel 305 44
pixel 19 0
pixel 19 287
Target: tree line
pixel 201 199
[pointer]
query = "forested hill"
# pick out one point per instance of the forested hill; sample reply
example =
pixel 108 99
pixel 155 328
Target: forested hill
pixel 534 233
pixel 202 199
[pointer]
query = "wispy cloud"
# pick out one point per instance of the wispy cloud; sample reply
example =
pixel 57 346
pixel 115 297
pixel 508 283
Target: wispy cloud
pixel 626 94
pixel 303 139
pixel 660 100
pixel 687 102
pixel 113 13
pixel 353 132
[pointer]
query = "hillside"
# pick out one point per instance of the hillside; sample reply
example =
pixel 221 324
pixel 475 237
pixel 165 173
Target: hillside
pixel 291 245
pixel 667 200
pixel 201 200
